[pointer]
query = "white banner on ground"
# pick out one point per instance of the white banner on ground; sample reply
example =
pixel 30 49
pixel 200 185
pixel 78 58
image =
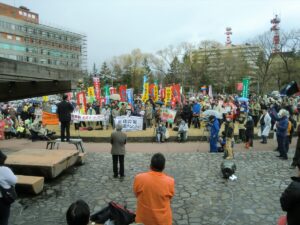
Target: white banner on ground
pixel 78 117
pixel 130 123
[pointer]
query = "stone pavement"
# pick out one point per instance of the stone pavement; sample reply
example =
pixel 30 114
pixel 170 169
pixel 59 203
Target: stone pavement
pixel 202 195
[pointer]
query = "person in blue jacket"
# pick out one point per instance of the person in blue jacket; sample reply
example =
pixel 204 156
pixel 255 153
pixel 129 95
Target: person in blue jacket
pixel 196 113
pixel 281 132
pixel 214 133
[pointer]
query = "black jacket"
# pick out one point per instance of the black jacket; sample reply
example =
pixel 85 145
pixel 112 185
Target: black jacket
pixel 250 128
pixel 64 110
pixel 290 201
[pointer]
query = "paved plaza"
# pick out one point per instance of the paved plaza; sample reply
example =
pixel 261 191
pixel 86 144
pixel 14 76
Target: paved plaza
pixel 202 195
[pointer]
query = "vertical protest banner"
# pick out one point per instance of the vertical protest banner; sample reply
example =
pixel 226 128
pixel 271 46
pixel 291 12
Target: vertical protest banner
pixel 122 92
pixel 162 93
pixel 168 95
pixel 155 91
pixel 81 99
pixel 210 93
pixel 96 82
pixel 91 94
pixel 145 96
pixel 176 92
pixel 129 93
pixel 245 91
pixel 106 90
pixel 112 90
pixel 151 90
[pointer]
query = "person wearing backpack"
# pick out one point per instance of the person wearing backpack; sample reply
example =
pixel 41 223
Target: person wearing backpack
pixel 7 179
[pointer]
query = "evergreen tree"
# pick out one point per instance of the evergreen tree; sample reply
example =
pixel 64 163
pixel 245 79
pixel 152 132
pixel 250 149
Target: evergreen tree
pixel 174 72
pixel 147 70
pixel 105 73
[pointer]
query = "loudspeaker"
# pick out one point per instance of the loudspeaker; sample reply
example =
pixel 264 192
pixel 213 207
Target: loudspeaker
pixel 228 168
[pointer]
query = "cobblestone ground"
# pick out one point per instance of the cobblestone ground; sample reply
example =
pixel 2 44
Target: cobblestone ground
pixel 202 195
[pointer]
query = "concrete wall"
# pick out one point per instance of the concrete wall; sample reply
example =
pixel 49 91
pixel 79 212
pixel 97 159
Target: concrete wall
pixel 23 80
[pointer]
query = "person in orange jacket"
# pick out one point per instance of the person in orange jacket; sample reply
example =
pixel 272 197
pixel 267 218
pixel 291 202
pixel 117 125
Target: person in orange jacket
pixel 154 191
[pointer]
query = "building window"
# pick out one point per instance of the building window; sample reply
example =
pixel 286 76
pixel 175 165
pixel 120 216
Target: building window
pixel 9 36
pixel 20 13
pixel 24 13
pixel 18 38
pixel 43 61
pixel 12 26
pixel 44 52
pixel 14 57
pixel 33 16
pixel 29 59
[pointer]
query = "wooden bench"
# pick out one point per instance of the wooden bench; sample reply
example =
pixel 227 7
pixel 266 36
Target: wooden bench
pixel 30 184
pixel 55 143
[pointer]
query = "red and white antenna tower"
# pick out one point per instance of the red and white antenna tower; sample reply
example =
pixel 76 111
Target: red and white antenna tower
pixel 228 33
pixel 275 29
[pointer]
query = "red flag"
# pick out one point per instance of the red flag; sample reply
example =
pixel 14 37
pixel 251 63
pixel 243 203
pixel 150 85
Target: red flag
pixel 112 90
pixel 151 90
pixel 96 82
pixel 176 92
pixel 239 86
pixel 81 99
pixel 122 92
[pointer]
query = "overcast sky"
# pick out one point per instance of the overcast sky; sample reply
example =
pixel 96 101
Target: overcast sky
pixel 115 27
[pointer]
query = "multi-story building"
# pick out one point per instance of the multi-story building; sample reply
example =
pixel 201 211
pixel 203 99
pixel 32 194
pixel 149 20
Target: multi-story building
pixel 217 57
pixel 23 38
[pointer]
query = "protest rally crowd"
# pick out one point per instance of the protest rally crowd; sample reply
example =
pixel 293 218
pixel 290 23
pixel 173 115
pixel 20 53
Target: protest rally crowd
pixel 219 115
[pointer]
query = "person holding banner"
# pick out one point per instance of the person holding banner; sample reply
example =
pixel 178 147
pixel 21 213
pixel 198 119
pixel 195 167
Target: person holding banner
pixel 64 110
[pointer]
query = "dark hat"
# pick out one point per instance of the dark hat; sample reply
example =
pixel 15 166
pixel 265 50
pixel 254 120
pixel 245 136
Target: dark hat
pixel 2 156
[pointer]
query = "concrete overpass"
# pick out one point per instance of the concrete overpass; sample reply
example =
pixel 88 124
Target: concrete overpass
pixel 19 80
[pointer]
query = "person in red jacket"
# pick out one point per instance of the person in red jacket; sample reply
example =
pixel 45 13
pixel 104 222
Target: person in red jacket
pixel 154 191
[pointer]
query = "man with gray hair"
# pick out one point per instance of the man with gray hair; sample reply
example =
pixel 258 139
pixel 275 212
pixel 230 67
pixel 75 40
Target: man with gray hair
pixel 118 141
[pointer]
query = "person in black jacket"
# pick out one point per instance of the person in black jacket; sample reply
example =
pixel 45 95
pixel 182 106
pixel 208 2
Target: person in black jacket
pixel 249 125
pixel 290 200
pixel 64 110
pixel 297 151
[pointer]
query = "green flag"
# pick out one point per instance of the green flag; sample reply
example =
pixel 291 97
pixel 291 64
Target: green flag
pixel 245 91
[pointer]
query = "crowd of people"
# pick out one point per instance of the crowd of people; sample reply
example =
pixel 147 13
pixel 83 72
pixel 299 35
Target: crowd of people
pixel 154 189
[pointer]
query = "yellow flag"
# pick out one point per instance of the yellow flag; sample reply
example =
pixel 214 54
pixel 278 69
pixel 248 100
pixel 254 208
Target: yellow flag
pixel 45 98
pixel 168 95
pixel 91 92
pixel 146 94
pixel 155 93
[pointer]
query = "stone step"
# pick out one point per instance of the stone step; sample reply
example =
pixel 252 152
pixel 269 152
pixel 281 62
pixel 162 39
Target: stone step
pixel 30 184
pixel 41 162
